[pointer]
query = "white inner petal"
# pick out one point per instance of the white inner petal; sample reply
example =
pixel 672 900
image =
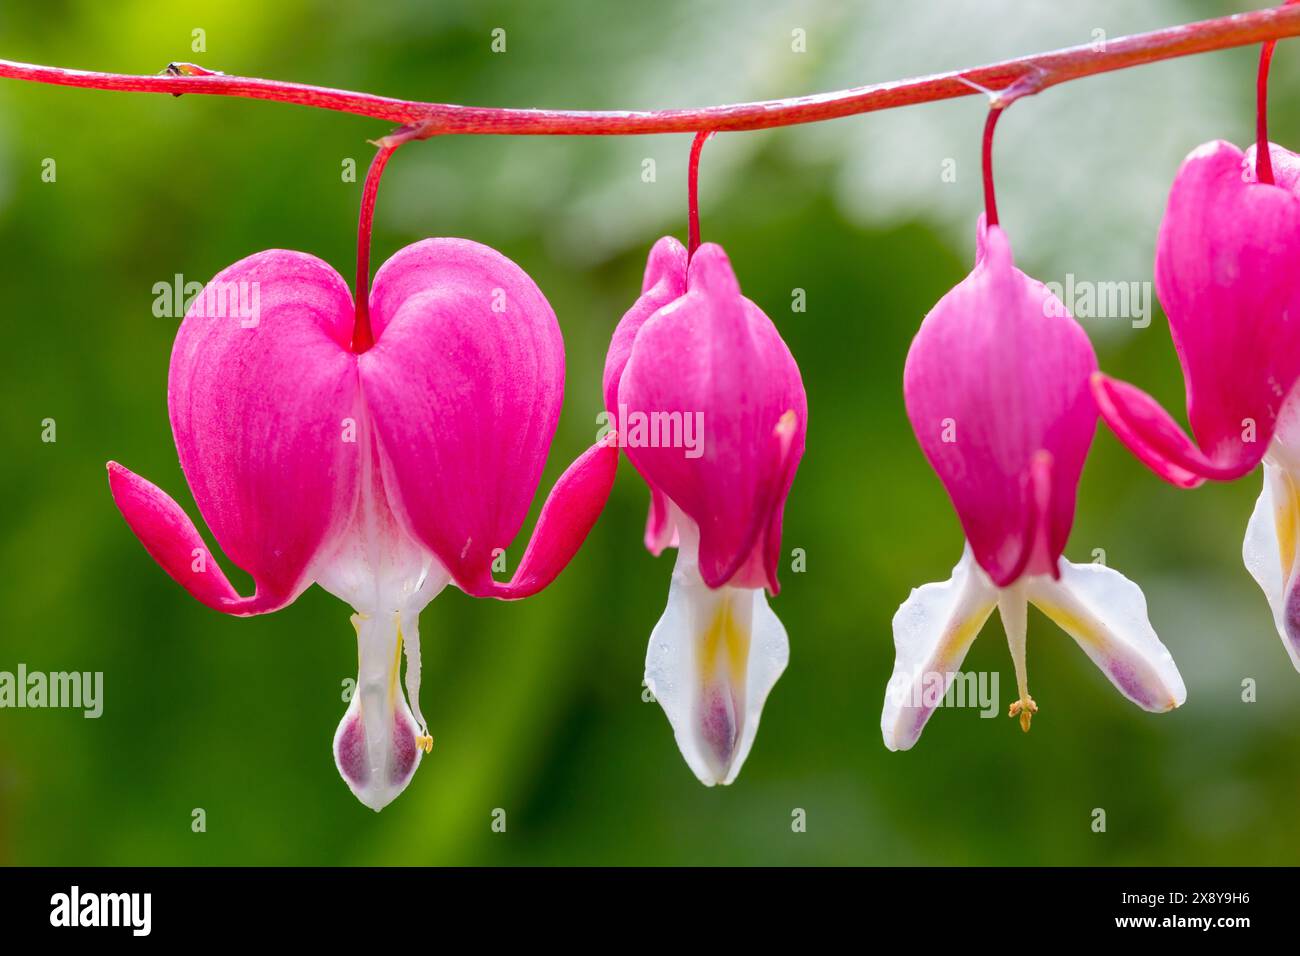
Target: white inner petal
pixel 1106 614
pixel 1270 548
pixel 388 578
pixel 712 660
pixel 1100 608
pixel 376 566
pixel 933 630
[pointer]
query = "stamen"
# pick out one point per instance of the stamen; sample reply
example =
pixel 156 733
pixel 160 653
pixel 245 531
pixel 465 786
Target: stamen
pixel 1026 708
pixel 1013 606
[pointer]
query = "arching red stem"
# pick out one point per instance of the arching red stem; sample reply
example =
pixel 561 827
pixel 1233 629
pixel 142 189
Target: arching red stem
pixel 1057 66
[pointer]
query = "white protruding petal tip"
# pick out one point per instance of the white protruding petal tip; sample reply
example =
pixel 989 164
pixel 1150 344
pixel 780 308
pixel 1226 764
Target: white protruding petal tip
pixel 1106 614
pixel 1269 551
pixel 933 629
pixel 712 660
pixel 377 746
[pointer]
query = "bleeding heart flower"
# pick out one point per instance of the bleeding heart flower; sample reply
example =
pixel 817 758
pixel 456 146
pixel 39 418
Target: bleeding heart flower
pixel 1225 273
pixel 996 387
pixel 382 476
pixel 712 413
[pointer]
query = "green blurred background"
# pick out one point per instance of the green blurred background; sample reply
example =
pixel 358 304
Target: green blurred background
pixel 536 707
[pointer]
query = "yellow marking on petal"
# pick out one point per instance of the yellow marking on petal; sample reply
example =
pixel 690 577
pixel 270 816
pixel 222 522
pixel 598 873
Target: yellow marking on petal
pixel 397 666
pixel 425 742
pixel 1081 630
pixel 962 634
pixel 1071 623
pixel 1285 513
pixel 356 620
pixel 725 646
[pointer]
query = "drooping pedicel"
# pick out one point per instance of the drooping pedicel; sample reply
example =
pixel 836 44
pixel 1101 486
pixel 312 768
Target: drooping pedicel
pixel 382 475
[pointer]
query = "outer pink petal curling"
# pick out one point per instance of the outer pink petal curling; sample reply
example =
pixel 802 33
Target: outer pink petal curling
pixel 1151 433
pixel 1225 261
pixel 570 510
pixel 172 540
pixel 664 281
pixel 464 384
pixel 710 365
pixel 996 386
pixel 260 390
pixel 660 528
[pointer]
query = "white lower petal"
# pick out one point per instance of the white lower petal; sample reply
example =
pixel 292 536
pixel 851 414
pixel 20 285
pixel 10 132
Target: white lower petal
pixel 1269 550
pixel 712 660
pixel 933 630
pixel 377 744
pixel 388 578
pixel 1106 614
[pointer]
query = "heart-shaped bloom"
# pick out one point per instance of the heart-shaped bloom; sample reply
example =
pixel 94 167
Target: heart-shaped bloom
pixel 996 387
pixel 709 406
pixel 382 476
pixel 1226 275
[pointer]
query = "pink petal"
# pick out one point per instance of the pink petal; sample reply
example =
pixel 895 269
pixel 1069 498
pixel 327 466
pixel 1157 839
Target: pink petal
pixel 570 510
pixel 1286 166
pixel 665 280
pixel 464 385
pixel 258 404
pixel 996 387
pixel 712 357
pixel 1151 433
pixel 660 528
pixel 760 568
pixel 1225 262
pixel 171 539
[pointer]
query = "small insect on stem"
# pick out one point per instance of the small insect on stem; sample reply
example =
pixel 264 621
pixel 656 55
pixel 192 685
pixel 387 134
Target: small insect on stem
pixel 188 69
